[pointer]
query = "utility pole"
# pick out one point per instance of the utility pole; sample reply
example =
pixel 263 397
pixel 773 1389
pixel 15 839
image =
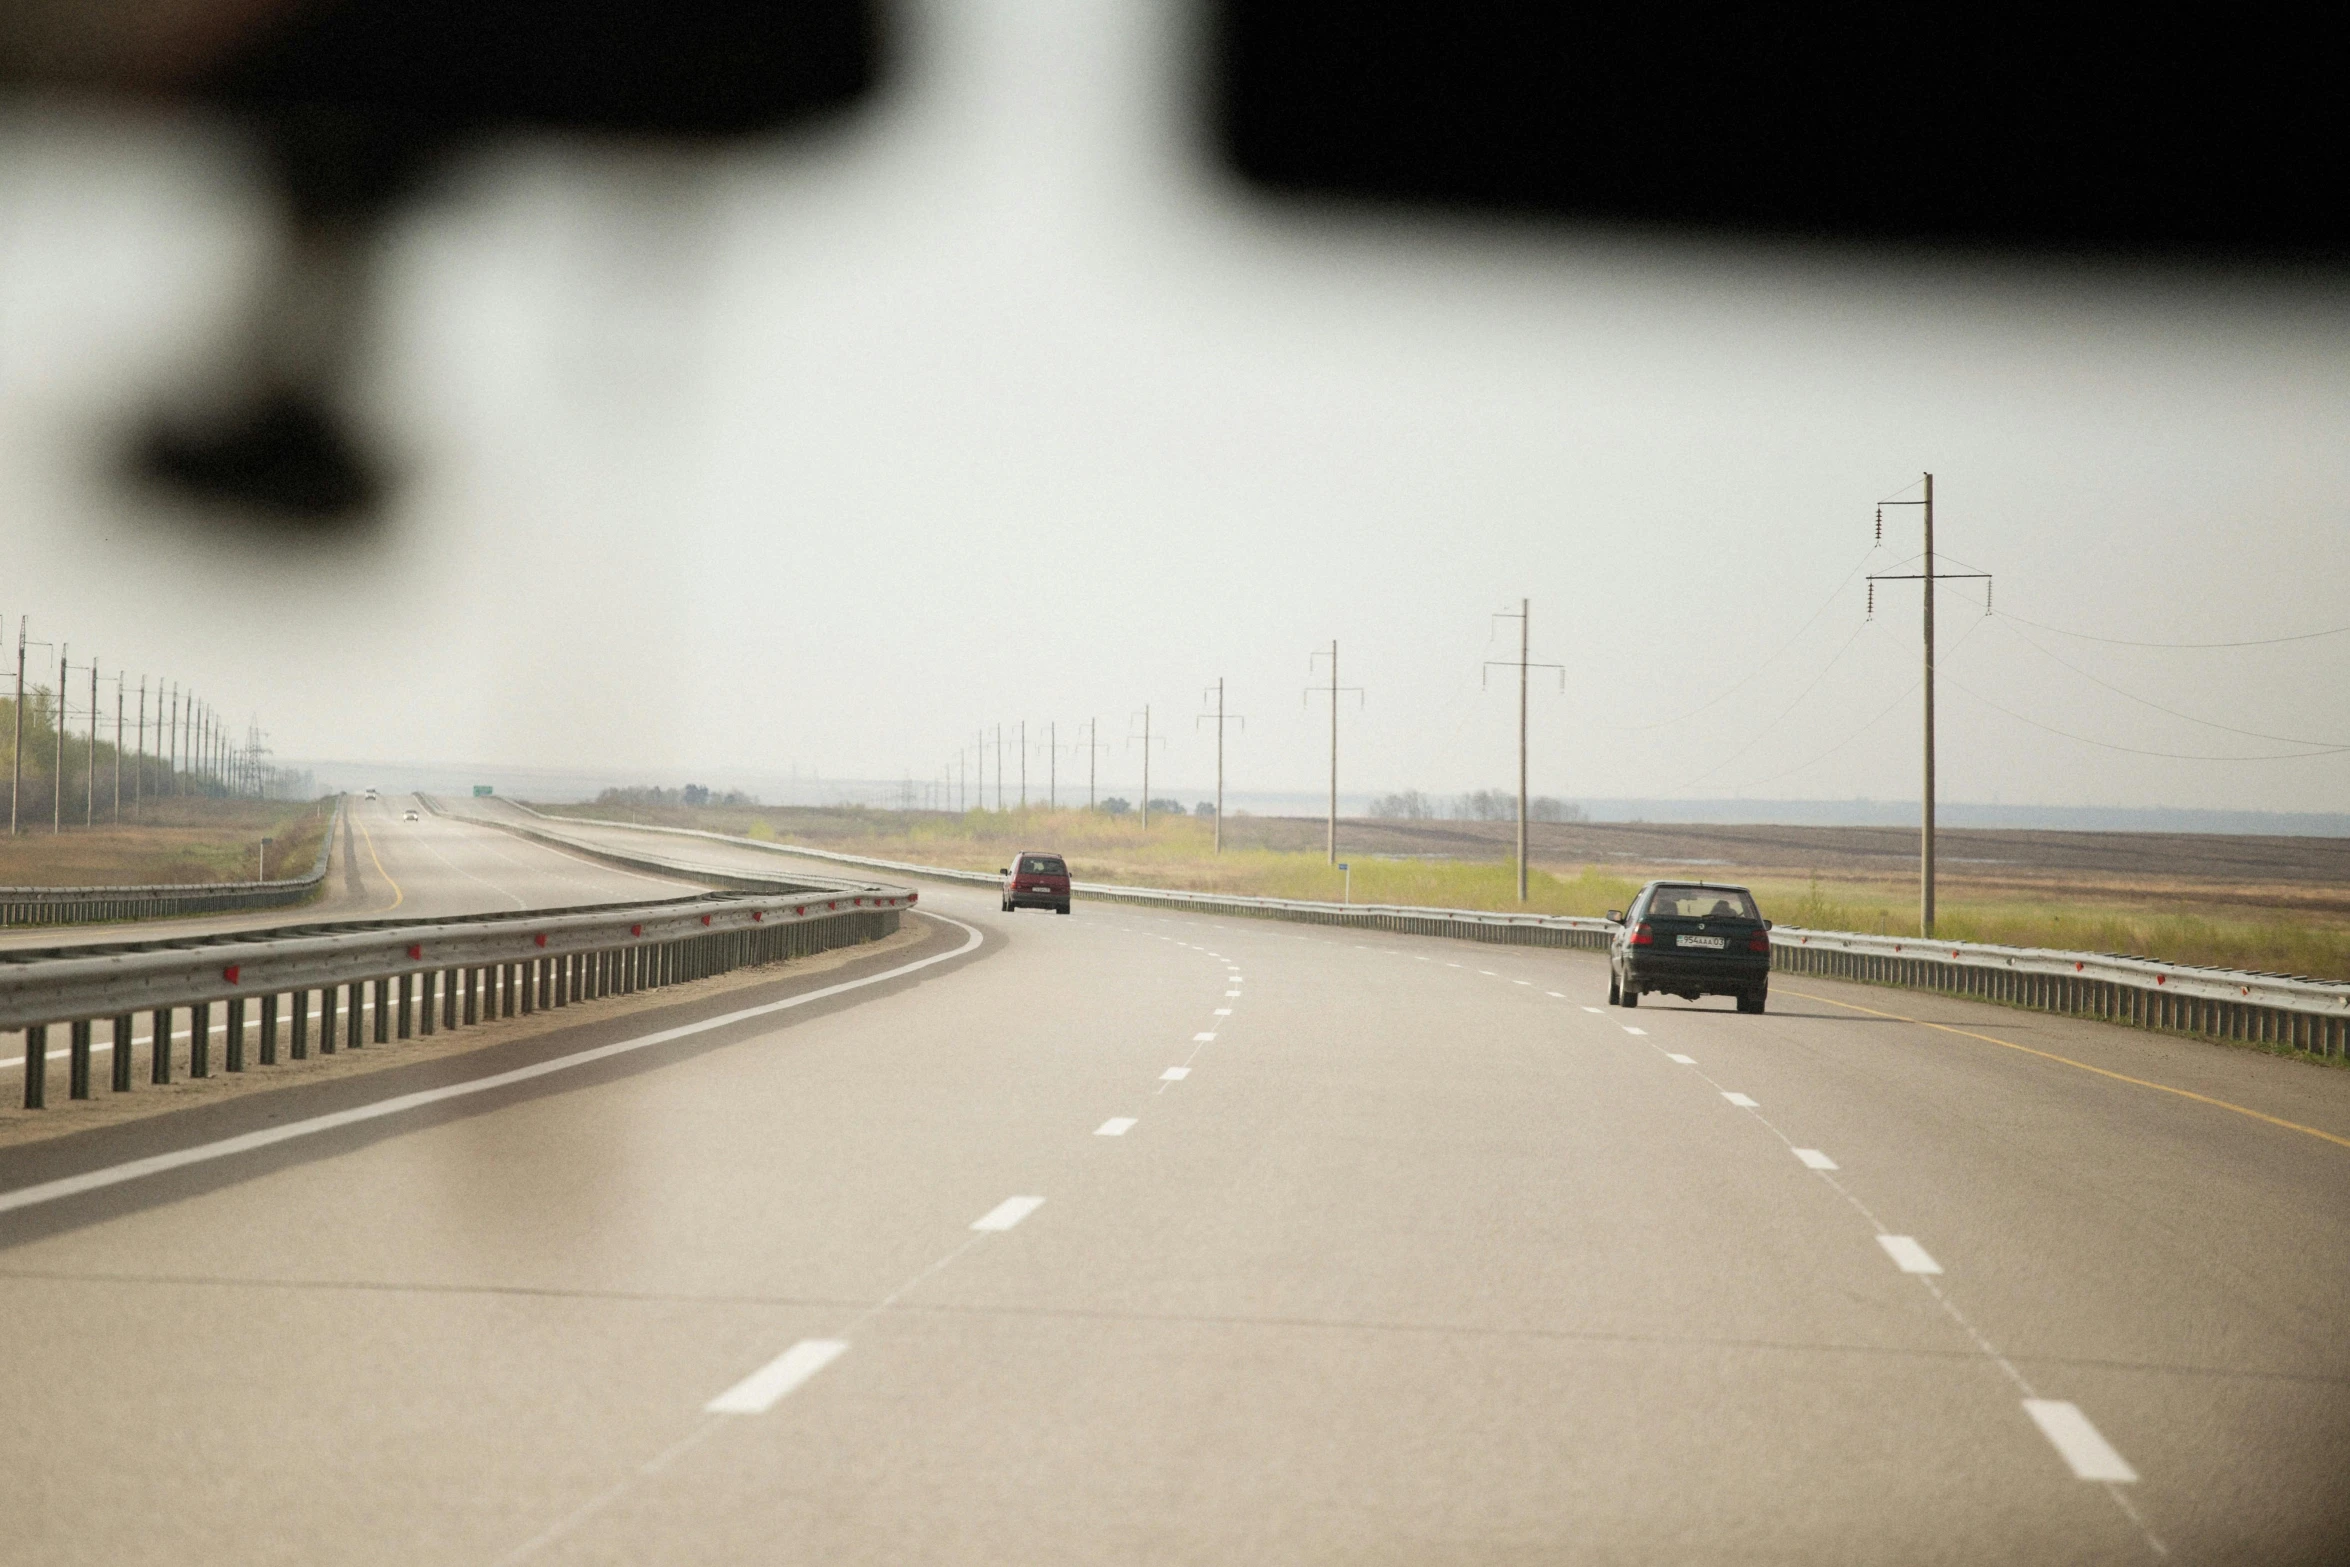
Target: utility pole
pixel 90 764
pixel 1525 619
pixel 16 746
pixel 1146 766
pixel 999 767
pixel 1333 690
pixel 118 700
pixel 1093 751
pixel 57 777
pixel 1220 718
pixel 1928 578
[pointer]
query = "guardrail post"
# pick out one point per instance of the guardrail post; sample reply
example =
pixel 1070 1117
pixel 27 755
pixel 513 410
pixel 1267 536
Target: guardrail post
pixel 326 1021
pixel 233 1020
pixel 380 1003
pixel 449 999
pixel 269 1029
pixel 36 1067
pixel 406 984
pixel 200 1039
pixel 123 1025
pixel 427 985
pixel 159 1047
pixel 77 1074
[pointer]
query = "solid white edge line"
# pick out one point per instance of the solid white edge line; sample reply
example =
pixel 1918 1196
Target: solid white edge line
pixel 1813 1159
pixel 1007 1213
pixel 765 1387
pixel 1908 1255
pixel 202 1153
pixel 1115 1126
pixel 2078 1442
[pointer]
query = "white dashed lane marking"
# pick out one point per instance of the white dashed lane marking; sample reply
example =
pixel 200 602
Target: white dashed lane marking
pixel 1231 992
pixel 1683 1060
pixel 1740 1100
pixel 1007 1213
pixel 1202 1039
pixel 1175 1074
pixel 2080 1443
pixel 1629 1029
pixel 1595 1011
pixel 765 1387
pixel 1115 1126
pixel 1908 1255
pixel 1813 1159
pixel 1223 1012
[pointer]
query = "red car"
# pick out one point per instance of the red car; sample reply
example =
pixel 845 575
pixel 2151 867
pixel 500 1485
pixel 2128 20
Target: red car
pixel 1036 880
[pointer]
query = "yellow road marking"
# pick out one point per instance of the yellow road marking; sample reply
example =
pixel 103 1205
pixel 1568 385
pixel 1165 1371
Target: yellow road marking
pixel 398 897
pixel 2120 1077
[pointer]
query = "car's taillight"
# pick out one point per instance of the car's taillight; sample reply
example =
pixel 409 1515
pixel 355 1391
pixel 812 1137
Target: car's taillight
pixel 1760 941
pixel 1642 936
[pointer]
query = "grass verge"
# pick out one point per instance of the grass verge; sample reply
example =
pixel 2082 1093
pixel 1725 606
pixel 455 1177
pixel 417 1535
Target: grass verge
pixel 2118 917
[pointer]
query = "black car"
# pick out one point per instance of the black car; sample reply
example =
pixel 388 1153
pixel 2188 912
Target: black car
pixel 1690 939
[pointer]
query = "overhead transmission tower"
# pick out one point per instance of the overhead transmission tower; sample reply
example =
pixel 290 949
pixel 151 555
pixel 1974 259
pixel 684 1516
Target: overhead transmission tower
pixel 1929 576
pixel 1220 719
pixel 1524 616
pixel 1333 691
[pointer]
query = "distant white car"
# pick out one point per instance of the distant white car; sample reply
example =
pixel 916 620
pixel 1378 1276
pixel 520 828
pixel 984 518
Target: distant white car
pixel 408 816
pixel 371 794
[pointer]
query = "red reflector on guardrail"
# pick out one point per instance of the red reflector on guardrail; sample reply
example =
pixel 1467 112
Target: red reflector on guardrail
pixel 758 915
pixel 416 949
pixel 636 930
pixel 229 973
pixel 705 919
pixel 802 909
pixel 2076 968
pixel 540 938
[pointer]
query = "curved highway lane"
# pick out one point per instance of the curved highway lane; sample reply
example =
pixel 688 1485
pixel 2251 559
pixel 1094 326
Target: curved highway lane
pixel 1142 1235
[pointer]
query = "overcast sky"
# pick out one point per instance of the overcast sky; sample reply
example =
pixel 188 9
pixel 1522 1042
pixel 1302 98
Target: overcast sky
pixel 1001 403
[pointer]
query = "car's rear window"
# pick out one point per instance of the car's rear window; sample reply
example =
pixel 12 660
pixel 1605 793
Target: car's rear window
pixel 1042 865
pixel 1696 903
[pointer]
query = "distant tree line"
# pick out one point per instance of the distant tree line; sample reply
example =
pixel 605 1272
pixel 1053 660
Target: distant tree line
pixel 1482 805
pixel 691 794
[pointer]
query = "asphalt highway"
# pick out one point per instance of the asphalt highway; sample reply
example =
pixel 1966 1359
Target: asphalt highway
pixel 380 867
pixel 1139 1236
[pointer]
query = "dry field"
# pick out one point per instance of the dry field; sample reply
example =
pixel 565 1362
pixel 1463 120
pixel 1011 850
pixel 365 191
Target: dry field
pixel 189 840
pixel 2276 904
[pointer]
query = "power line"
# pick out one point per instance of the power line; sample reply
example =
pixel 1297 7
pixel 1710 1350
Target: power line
pixel 2207 723
pixel 1766 663
pixel 1762 733
pixel 2175 756
pixel 2304 636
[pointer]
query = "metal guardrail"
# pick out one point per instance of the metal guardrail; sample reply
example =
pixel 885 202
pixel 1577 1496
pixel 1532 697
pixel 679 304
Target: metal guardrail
pixel 162 900
pixel 2271 1009
pixel 376 980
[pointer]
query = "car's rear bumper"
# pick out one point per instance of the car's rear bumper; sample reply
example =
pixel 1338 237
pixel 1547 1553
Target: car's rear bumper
pixel 1028 899
pixel 1724 975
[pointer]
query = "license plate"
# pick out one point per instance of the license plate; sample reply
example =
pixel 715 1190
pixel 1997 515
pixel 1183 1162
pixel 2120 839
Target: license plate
pixel 1715 942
